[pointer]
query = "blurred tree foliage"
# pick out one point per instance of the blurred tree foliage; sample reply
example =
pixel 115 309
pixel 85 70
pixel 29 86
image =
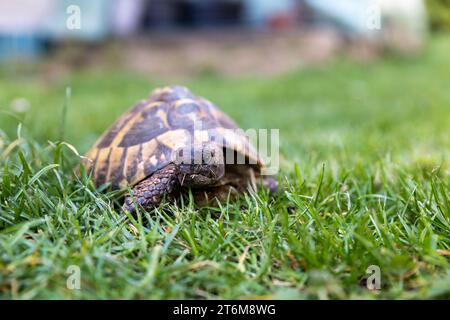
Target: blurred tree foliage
pixel 439 14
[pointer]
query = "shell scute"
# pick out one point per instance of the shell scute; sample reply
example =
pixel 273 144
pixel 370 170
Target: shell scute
pixel 146 138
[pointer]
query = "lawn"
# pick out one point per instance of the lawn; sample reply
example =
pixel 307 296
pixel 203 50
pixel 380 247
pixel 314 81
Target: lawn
pixel 365 172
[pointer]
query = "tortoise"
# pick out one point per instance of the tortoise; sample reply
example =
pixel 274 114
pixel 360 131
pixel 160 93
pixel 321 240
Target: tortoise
pixel 157 150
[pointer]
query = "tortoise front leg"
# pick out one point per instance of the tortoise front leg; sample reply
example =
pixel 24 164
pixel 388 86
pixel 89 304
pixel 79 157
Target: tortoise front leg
pixel 149 192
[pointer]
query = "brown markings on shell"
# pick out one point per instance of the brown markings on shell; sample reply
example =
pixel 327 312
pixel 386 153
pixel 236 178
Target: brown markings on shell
pixel 118 176
pixel 149 124
pixel 107 138
pixel 223 120
pixel 102 165
pixel 136 118
pixel 144 139
pixel 174 139
pixel 171 94
pixel 108 144
pixel 183 114
pixel 191 114
pixel 148 150
pixel 238 142
pixel 115 170
pixel 144 159
pixel 163 156
pixel 131 162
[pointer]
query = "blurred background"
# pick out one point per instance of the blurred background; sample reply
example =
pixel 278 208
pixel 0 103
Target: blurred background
pixel 323 70
pixel 359 90
pixel 216 35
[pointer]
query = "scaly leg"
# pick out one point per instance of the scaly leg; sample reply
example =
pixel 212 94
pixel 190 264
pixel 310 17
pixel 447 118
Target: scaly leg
pixel 149 192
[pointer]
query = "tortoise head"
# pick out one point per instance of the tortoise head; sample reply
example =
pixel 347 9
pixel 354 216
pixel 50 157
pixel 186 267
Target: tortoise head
pixel 200 165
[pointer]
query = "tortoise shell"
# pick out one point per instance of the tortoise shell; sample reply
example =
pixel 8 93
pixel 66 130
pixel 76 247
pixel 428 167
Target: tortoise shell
pixel 146 138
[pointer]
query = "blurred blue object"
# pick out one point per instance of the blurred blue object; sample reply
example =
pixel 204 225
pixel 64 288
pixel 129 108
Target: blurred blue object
pixel 257 12
pixel 19 46
pixel 350 15
pixel 23 33
pixel 20 27
pixel 359 17
pixel 95 20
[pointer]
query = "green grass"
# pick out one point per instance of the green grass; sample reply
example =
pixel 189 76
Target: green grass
pixel 365 170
